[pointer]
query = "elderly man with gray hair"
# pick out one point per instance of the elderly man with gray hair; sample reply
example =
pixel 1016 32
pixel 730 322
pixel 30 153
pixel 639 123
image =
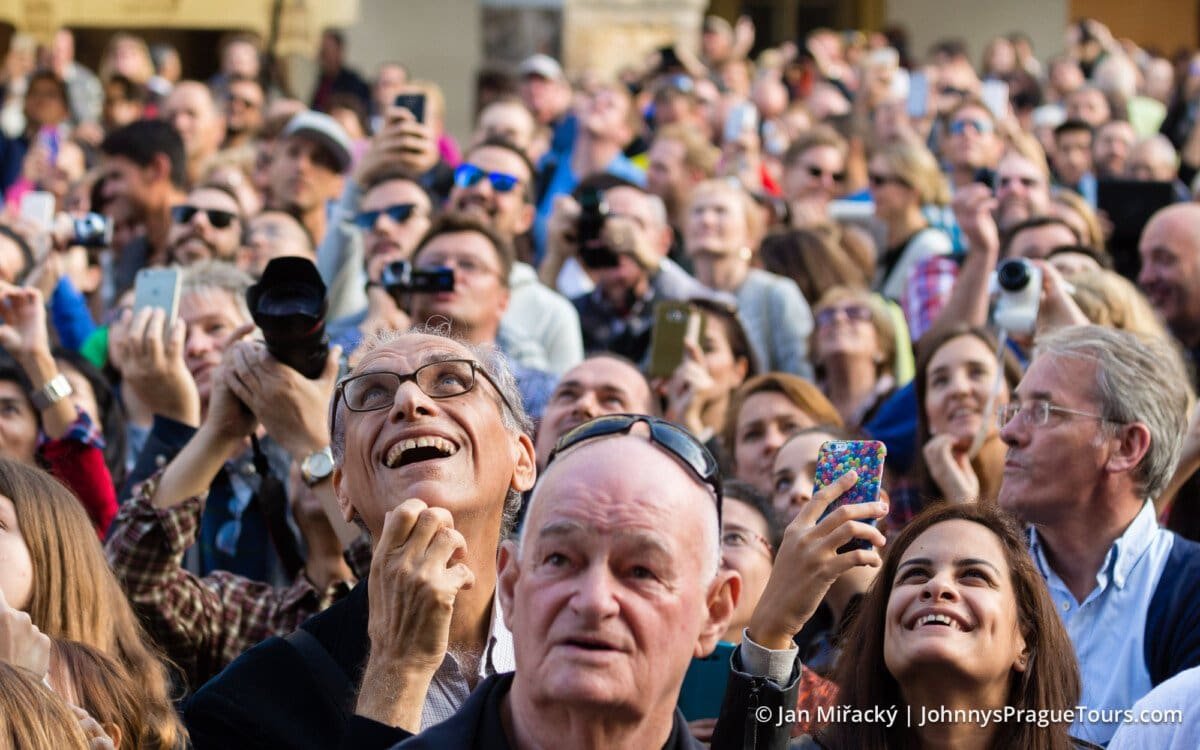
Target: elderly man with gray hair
pixel 1094 431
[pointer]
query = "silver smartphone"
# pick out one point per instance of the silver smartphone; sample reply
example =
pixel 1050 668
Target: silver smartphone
pixel 158 287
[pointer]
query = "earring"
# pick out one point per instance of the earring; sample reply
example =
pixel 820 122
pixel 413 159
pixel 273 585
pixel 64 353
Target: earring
pixel 745 253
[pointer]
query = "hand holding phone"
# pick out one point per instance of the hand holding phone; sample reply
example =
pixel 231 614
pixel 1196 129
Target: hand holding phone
pixel 812 557
pixel 414 103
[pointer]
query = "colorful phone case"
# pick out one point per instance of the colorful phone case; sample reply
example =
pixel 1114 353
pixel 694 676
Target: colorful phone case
pixel 837 457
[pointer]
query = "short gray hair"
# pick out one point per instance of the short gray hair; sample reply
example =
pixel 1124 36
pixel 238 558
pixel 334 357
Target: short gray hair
pixel 218 275
pixel 512 407
pixel 1139 379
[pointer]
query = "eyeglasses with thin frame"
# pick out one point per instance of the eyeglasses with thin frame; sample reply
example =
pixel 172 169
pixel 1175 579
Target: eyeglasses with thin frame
pixel 857 313
pixel 184 213
pixel 670 437
pixel 1036 413
pixel 733 537
pixel 397 212
pixel 460 264
pixel 447 378
pixel 468 175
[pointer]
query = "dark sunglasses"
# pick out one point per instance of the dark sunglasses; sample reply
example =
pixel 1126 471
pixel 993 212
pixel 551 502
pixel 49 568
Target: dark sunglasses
pixel 469 175
pixel 668 436
pixel 879 180
pixel 219 219
pixel 958 127
pixel 397 212
pixel 818 173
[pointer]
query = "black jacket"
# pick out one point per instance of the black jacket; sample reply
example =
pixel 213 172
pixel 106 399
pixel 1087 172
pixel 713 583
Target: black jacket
pixel 477 724
pixel 273 697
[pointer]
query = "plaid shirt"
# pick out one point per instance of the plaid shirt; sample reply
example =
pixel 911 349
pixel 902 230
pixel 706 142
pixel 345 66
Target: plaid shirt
pixel 201 624
pixel 927 291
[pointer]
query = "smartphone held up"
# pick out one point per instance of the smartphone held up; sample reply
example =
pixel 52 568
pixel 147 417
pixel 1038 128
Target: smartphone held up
pixel 865 458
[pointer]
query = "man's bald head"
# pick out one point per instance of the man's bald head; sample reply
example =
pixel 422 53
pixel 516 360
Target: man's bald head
pixel 1170 275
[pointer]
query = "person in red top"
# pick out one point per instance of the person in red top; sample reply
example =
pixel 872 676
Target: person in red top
pixel 39 422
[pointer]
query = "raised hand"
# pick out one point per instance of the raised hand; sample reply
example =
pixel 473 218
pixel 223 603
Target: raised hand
pixel 150 358
pixel 21 643
pixel 808 562
pixel 416 574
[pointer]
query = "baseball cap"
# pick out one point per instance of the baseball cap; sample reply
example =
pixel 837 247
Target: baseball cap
pixel 543 66
pixel 324 130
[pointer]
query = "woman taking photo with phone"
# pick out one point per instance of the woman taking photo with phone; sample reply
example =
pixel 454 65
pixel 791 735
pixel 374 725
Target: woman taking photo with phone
pixel 697 394
pixel 958 620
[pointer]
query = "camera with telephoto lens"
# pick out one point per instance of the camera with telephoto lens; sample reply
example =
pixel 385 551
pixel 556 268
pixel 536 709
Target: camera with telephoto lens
pixel 92 230
pixel 288 303
pixel 1018 286
pixel 401 278
pixel 593 212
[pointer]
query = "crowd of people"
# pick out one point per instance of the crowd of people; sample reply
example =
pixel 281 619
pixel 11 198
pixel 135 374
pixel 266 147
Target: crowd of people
pixel 321 429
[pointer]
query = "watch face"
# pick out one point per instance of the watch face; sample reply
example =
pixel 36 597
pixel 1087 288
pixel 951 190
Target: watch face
pixel 320 464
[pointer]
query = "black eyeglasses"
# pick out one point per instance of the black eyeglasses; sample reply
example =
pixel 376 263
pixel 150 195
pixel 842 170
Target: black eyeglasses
pixel 219 219
pixel 674 439
pixel 818 173
pixel 397 212
pixel 445 378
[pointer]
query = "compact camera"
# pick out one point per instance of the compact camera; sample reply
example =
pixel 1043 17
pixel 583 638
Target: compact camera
pixel 1017 286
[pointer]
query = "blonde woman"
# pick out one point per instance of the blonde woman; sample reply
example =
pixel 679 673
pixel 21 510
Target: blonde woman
pixel 853 349
pixel 904 179
pixel 55 570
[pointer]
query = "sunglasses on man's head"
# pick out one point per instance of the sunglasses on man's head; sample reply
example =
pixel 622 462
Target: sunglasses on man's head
pixel 219 219
pixel 469 175
pixel 397 212
pixel 670 437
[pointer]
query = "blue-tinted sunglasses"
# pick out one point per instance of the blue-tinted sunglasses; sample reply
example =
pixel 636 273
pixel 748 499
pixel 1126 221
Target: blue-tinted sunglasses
pixel 399 213
pixel 958 127
pixel 468 175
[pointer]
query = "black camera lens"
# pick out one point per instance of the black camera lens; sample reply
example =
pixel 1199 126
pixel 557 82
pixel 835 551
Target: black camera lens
pixel 1013 275
pixel 288 304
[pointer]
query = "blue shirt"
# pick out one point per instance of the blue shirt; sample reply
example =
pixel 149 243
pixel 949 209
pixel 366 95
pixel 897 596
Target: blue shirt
pixel 1108 628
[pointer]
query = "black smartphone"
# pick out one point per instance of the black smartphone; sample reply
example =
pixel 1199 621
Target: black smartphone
pixel 668 60
pixel 593 210
pixel 985 176
pixel 414 103
pixel 1129 205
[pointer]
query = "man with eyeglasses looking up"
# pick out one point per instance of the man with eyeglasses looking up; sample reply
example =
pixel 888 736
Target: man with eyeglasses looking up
pixel 1094 432
pixel 207 226
pixel 495 184
pixel 432 448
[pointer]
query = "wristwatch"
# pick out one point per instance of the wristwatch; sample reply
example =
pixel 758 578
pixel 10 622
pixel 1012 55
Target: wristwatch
pixel 55 390
pixel 317 467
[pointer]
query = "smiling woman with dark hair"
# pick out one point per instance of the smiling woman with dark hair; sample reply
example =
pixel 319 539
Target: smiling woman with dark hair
pixel 958 620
